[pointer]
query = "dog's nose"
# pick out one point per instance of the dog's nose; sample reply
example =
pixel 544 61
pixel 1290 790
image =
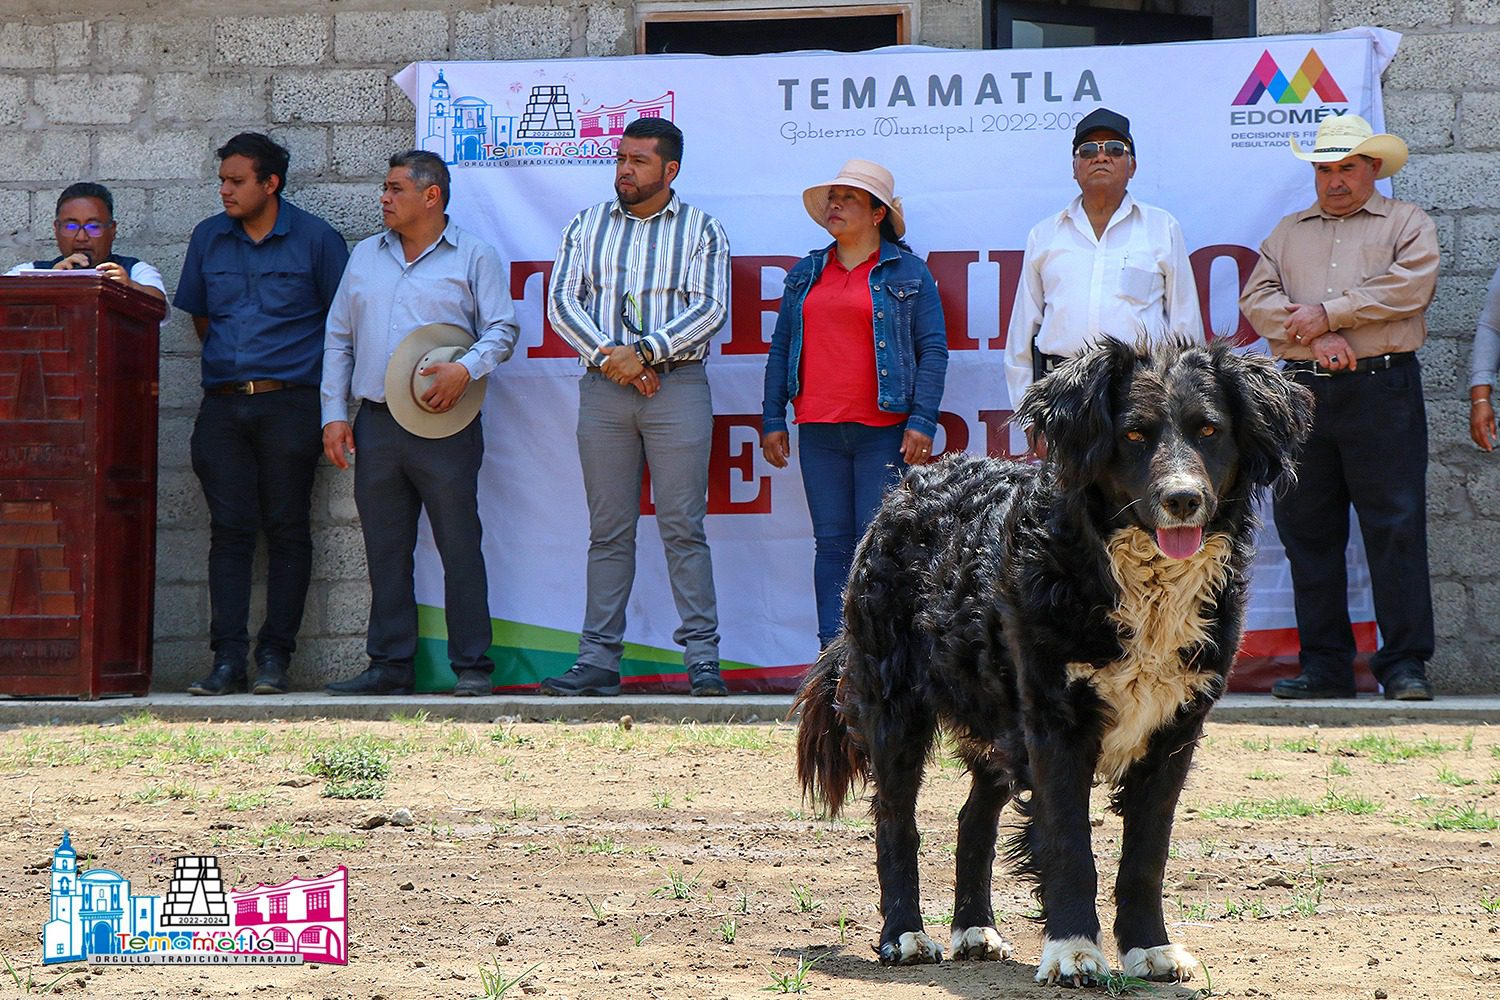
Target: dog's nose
pixel 1182 504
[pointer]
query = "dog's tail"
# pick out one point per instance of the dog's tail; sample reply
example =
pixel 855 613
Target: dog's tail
pixel 829 757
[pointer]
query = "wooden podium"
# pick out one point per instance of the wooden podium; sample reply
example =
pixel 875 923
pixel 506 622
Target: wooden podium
pixel 78 388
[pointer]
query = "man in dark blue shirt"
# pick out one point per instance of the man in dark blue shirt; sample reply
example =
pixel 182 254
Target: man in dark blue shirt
pixel 258 280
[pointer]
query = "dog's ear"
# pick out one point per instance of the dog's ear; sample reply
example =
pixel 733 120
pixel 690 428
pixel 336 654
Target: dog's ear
pixel 1073 409
pixel 1272 415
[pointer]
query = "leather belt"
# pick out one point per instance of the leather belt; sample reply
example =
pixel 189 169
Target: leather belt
pixel 253 387
pixel 662 368
pixel 1378 363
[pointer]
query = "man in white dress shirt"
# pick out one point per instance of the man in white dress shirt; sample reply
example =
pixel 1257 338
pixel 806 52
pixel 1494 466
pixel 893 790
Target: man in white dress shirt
pixel 1105 266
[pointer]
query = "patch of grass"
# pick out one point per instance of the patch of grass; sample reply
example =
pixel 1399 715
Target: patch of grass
pixel 495 984
pixel 603 844
pixel 1118 984
pixel 283 834
pixel 506 736
pixel 736 737
pixel 662 800
pixel 844 924
pixel 678 885
pixel 28 983
pixel 1237 909
pixel 1258 775
pixel 1491 904
pixel 353 769
pixel 727 930
pixel 805 901
pixel 1192 911
pixel 1301 744
pixel 742 902
pixel 245 801
pixel 794 981
pixel 1447 776
pixel 1290 807
pixel 637 935
pixel 1384 748
pixel 1305 902
pixel 596 910
pixel 417 718
pixel 519 810
pixel 354 790
pixel 1338 769
pixel 1469 817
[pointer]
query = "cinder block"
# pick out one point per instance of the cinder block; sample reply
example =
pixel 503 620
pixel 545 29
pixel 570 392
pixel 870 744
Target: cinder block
pixel 530 32
pixel 1447 234
pixel 70 41
pixel 182 554
pixel 1456 305
pixel 1479 11
pixel 471 35
pixel 179 498
pixel 177 209
pixel 608 31
pixel 236 96
pixel 397 38
pixel 341 554
pixel 42 46
pixel 352 209
pixel 12 100
pixel 1446 495
pixel 271 41
pixel 365 150
pixel 1287 17
pixel 951 25
pixel 399 107
pixel 1450 181
pixel 1484 597
pixel 338 491
pixel 1460 666
pixel 181 611
pixel 348 610
pixel 1424 121
pixel 308 145
pixel 1389 13
pixel 15 216
pixel 48 155
pixel 1479 118
pixel 181 382
pixel 342 95
pixel 321 659
pixel 1450 605
pixel 1445 365
pixel 1478 244
pixel 176 663
pixel 1445 61
pixel 154 45
pixel 76 98
pixel 163 155
pixel 1482 482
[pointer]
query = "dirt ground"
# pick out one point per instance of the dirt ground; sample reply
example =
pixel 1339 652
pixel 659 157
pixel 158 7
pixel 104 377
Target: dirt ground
pixel 1306 863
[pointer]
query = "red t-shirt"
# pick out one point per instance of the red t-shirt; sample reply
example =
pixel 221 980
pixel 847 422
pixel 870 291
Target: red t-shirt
pixel 838 350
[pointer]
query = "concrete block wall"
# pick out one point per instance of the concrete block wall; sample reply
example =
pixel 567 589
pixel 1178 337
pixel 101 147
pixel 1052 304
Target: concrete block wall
pixel 138 93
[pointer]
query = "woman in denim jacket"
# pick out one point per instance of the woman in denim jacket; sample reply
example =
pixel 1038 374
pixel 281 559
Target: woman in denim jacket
pixel 860 351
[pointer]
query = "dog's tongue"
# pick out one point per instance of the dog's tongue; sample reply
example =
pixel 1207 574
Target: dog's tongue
pixel 1179 543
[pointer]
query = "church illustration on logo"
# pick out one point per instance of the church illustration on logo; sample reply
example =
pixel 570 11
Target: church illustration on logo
pixel 90 910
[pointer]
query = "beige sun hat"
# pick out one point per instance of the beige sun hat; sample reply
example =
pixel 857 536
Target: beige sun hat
pixel 1351 135
pixel 432 344
pixel 866 175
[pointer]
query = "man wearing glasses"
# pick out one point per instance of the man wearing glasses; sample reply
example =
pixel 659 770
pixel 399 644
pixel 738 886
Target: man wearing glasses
pixel 640 286
pixel 1105 266
pixel 257 280
pixel 85 233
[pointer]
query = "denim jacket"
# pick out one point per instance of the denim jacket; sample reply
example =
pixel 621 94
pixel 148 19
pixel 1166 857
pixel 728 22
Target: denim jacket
pixel 911 342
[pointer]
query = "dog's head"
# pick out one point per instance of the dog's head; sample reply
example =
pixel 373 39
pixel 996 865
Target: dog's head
pixel 1168 434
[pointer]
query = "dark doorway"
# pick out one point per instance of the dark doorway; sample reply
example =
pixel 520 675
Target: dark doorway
pixel 781 31
pixel 1041 25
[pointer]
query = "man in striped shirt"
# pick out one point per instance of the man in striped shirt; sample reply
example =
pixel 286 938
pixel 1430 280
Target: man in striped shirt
pixel 640 286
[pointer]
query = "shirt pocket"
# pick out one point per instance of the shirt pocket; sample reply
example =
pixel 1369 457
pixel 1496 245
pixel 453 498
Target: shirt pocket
pixel 286 294
pixel 1140 285
pixel 224 291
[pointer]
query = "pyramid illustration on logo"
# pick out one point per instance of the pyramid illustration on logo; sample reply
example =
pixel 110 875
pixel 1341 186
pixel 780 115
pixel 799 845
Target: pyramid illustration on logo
pixel 1311 76
pixel 548 115
pixel 196 897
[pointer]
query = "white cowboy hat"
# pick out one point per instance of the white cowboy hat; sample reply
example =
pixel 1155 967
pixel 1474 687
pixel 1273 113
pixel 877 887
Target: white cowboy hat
pixel 1351 135
pixel 867 176
pixel 432 344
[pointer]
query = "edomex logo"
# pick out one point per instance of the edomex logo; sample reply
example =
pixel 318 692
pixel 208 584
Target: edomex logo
pixel 1311 77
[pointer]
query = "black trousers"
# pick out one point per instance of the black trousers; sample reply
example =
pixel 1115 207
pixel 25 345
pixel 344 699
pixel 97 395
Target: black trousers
pixel 1368 448
pixel 396 475
pixel 256 457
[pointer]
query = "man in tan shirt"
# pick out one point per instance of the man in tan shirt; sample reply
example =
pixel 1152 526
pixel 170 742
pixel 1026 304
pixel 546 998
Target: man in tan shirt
pixel 1340 293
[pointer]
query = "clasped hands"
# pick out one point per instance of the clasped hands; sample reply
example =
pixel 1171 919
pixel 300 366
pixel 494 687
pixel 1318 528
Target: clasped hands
pixel 622 366
pixel 1308 324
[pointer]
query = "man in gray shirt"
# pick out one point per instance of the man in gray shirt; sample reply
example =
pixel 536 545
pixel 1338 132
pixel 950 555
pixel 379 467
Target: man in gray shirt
pixel 423 269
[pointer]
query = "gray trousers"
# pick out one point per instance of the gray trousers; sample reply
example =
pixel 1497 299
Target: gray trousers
pixel 619 433
pixel 396 474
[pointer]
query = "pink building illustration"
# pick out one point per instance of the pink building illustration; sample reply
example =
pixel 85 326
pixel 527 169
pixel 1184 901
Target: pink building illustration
pixel 305 916
pixel 611 120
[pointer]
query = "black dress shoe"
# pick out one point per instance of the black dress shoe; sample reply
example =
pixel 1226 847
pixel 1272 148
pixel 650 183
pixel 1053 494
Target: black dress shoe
pixel 1311 686
pixel 585 681
pixel 270 674
pixel 1408 685
pixel 472 683
pixel 378 678
pixel 705 680
pixel 224 678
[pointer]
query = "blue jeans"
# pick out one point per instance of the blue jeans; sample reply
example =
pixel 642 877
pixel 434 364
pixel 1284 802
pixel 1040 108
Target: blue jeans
pixel 846 469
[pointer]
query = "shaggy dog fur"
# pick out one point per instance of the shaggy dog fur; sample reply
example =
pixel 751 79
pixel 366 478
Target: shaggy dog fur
pixel 1066 622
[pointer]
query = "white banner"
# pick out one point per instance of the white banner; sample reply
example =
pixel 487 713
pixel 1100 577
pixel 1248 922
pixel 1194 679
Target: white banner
pixel 980 145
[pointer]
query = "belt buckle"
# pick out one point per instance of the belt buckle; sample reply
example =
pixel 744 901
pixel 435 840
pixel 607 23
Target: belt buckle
pixel 246 388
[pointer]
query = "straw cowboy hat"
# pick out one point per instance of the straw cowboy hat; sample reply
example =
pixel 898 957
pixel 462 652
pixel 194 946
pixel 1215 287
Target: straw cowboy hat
pixel 432 344
pixel 1351 135
pixel 867 176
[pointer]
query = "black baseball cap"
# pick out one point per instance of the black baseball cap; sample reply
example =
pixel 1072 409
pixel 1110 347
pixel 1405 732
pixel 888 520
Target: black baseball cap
pixel 1110 121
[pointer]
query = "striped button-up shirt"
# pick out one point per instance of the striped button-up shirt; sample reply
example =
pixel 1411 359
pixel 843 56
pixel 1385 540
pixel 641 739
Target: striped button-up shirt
pixel 666 276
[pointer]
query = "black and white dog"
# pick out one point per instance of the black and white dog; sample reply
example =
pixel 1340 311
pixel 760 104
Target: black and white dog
pixel 1065 622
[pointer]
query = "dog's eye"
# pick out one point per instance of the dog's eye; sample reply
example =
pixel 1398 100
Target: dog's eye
pixel 1135 436
pixel 1207 430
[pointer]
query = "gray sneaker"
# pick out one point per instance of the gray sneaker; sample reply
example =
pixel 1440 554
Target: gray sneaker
pixel 705 679
pixel 583 681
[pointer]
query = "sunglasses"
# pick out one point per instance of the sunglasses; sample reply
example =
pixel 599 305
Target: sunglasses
pixel 1114 149
pixel 92 228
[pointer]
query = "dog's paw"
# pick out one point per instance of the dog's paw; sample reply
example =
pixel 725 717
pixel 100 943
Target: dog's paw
pixel 982 943
pixel 911 948
pixel 1075 960
pixel 1166 962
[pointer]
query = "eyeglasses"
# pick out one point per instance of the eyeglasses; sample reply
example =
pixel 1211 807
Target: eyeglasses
pixel 92 228
pixel 1114 149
